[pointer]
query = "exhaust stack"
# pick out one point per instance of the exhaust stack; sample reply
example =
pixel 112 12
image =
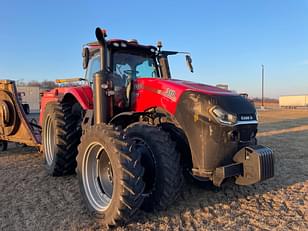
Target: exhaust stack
pixel 100 81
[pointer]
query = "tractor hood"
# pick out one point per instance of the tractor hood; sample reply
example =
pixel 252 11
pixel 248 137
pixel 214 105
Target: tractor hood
pixel 215 96
pixel 201 88
pixel 170 94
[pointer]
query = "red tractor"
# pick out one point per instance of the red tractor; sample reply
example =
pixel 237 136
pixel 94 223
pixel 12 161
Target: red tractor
pixel 132 132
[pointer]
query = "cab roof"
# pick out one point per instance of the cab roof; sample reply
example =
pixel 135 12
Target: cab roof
pixel 131 43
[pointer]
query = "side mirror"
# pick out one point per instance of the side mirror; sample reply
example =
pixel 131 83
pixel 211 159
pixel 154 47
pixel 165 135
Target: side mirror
pixel 189 63
pixel 85 57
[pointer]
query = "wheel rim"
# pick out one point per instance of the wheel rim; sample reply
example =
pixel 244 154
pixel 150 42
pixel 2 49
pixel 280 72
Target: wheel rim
pixel 97 176
pixel 49 140
pixel 148 162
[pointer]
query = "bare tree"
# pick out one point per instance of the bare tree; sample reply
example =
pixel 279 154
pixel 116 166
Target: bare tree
pixel 34 83
pixel 46 84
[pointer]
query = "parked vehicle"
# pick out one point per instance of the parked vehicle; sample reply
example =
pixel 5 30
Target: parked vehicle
pixel 132 131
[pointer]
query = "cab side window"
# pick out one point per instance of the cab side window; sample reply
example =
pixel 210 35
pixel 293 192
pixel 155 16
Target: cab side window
pixel 94 66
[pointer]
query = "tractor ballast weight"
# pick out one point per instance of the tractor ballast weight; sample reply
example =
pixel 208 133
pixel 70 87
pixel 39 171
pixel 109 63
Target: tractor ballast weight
pixel 252 164
pixel 14 125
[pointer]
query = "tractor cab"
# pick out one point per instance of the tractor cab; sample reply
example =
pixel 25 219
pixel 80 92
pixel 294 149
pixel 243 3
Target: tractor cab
pixel 123 62
pixel 124 57
pixel 126 61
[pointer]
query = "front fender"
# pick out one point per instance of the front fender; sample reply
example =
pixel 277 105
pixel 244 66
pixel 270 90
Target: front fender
pixel 125 118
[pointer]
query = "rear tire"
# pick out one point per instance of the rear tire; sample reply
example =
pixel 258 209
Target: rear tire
pixel 110 177
pixel 60 138
pixel 163 171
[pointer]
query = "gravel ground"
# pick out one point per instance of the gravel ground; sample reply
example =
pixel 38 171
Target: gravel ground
pixel 32 200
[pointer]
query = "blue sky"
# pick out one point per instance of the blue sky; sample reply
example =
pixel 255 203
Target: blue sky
pixel 229 40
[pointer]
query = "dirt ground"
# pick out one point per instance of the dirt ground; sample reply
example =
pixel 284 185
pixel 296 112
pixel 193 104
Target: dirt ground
pixel 32 200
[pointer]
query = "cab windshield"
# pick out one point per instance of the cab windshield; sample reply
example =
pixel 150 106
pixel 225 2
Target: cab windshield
pixel 139 65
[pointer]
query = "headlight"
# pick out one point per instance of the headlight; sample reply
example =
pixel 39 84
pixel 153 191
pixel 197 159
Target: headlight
pixel 223 117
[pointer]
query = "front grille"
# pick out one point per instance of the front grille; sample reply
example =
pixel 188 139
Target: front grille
pixel 247 132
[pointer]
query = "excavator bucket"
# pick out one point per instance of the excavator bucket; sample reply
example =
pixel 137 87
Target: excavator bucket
pixel 14 125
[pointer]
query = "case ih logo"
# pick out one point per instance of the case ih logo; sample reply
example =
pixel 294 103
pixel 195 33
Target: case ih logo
pixel 246 117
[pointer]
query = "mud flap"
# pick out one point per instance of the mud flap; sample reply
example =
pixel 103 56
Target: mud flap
pixel 258 164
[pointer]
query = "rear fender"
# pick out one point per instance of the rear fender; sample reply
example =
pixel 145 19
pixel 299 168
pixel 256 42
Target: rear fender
pixel 83 95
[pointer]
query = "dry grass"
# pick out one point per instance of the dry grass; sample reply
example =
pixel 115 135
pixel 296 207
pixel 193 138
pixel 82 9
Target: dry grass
pixel 32 200
pixel 267 104
pixel 279 115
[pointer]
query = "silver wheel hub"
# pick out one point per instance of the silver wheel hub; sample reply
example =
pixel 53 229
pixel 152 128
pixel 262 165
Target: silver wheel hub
pixel 49 140
pixel 97 176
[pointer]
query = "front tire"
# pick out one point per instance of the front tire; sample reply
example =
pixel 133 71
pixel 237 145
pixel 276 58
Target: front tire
pixel 110 177
pixel 60 137
pixel 163 170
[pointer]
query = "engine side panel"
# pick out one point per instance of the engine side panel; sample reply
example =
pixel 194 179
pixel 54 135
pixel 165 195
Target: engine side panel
pixel 154 92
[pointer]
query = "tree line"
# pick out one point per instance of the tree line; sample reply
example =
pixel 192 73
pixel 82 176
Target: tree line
pixel 46 84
